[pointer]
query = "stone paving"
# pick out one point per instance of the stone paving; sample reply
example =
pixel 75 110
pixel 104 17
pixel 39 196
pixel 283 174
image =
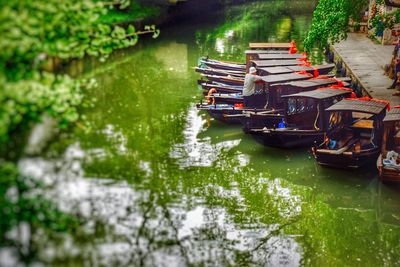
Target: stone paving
pixel 364 60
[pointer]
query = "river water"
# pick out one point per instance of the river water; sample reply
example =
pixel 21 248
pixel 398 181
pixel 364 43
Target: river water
pixel 158 183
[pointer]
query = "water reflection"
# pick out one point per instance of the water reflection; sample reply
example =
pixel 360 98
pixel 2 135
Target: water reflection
pixel 196 152
pixel 158 184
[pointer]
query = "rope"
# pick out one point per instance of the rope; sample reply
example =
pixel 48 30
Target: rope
pixel 316 119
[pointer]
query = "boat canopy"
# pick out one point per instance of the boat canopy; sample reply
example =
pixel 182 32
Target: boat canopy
pixel 392 115
pixel 273 63
pixel 357 105
pixel 320 94
pixel 285 77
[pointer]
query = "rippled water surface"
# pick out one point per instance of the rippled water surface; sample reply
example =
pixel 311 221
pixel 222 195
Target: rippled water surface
pixel 158 183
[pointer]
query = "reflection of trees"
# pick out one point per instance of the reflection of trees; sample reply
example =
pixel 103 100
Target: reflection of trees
pixel 247 214
pixel 270 21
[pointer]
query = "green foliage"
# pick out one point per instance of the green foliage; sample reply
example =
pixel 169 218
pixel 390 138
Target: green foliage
pixel 25 101
pixel 37 33
pixel 36 37
pixel 61 29
pixel 331 21
pixel 133 12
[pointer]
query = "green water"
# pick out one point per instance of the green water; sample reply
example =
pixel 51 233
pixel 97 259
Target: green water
pixel 157 183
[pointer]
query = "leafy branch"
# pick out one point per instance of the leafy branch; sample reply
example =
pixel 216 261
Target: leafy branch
pixel 330 21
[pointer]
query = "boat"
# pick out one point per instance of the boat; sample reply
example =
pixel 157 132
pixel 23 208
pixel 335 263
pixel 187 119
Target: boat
pixel 219 64
pixel 228 80
pixel 388 160
pixel 266 80
pixel 354 133
pixel 224 94
pixel 304 119
pixel 220 87
pixel 220 72
pixel 266 110
pixel 257 119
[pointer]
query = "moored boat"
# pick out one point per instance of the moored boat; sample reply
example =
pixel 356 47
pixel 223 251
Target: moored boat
pixel 224 65
pixel 354 133
pixel 260 120
pixel 305 120
pixel 211 71
pixel 267 107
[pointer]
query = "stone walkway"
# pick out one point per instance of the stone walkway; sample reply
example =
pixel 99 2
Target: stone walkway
pixel 364 60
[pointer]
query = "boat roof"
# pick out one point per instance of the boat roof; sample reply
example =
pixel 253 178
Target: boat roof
pixel 364 106
pixel 286 69
pixel 323 93
pixel 266 52
pixel 315 82
pixel 279 78
pixel 280 56
pixel 392 115
pixel 269 45
pixel 272 63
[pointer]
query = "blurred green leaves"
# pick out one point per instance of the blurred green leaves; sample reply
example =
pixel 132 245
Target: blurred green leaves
pixel 331 21
pixel 37 36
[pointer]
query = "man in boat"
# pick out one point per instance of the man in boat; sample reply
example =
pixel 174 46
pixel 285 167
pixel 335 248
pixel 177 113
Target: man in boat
pixel 250 86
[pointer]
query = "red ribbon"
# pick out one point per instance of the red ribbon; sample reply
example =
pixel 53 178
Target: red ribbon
pixel 293 48
pixel 304 58
pixel 316 72
pixel 304 72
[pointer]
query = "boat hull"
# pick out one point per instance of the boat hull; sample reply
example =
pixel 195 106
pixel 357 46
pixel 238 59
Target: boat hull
pixel 346 160
pixel 284 139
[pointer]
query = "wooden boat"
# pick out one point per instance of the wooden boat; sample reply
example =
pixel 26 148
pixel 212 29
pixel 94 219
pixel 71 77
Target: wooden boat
pixel 318 69
pixel 220 87
pixel 220 111
pixel 304 120
pixel 354 133
pixel 260 120
pixel 268 104
pixel 224 65
pixel 234 96
pixel 388 161
pixel 228 80
pixel 223 88
pixel 220 72
pixel 216 74
pixel 267 80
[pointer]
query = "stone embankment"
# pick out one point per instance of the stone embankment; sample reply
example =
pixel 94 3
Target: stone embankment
pixel 363 60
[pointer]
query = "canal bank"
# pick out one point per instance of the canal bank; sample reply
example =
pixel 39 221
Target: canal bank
pixel 363 60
